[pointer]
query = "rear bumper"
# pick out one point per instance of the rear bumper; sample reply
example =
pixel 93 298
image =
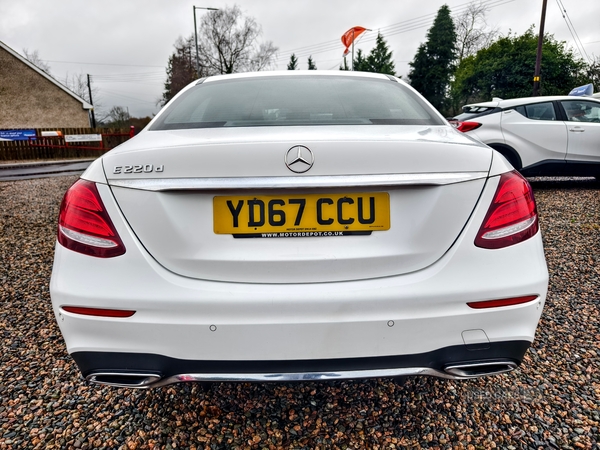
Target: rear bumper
pixel 194 330
pixel 150 370
pixel 191 329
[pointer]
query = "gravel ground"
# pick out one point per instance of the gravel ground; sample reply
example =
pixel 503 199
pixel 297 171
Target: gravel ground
pixel 551 401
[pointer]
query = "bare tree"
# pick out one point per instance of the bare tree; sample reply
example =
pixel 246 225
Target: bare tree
pixel 34 58
pixel 117 117
pixel 592 72
pixel 472 32
pixel 77 83
pixel 263 58
pixel 228 43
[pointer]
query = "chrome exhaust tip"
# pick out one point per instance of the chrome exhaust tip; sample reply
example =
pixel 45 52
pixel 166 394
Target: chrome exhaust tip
pixel 124 379
pixel 480 369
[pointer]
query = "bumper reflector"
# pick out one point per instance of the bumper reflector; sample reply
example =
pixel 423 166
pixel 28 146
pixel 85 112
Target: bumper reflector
pixel 98 312
pixel 502 302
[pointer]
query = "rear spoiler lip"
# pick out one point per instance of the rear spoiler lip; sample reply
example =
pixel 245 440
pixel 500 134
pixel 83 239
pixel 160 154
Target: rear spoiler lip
pixel 295 182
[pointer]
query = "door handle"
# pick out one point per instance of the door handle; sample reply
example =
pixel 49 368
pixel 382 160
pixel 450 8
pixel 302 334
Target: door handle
pixel 577 130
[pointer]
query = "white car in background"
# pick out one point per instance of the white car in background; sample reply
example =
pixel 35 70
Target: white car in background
pixel 294 225
pixel 550 136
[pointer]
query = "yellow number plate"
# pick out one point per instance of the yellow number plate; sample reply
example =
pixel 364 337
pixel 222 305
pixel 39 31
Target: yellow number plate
pixel 301 215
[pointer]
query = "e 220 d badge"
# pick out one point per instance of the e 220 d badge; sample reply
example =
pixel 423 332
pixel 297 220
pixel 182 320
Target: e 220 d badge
pixel 138 168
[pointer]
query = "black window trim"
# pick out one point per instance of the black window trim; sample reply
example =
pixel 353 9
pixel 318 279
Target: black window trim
pixel 558 110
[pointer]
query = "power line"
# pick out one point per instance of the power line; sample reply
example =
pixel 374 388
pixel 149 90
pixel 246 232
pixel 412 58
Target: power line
pixel 127 78
pixel 101 64
pixel 389 30
pixel 126 96
pixel 147 78
pixel 132 74
pixel 572 30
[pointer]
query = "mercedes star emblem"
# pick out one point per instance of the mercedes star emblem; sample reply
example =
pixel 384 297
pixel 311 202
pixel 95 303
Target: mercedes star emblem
pixel 299 159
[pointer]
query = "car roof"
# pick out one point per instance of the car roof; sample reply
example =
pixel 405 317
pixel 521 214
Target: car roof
pixel 499 103
pixel 287 73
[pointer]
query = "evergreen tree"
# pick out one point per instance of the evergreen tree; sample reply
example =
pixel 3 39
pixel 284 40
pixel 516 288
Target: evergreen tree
pixel 360 63
pixel 311 64
pixel 380 58
pixel 433 65
pixel 293 64
pixel 181 69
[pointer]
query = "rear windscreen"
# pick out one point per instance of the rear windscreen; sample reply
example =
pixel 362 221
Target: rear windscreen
pixel 296 100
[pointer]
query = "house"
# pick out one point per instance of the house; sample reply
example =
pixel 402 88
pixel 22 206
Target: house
pixel 30 98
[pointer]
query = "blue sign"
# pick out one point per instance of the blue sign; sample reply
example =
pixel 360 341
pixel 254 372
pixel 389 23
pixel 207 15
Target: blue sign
pixel 580 91
pixel 16 135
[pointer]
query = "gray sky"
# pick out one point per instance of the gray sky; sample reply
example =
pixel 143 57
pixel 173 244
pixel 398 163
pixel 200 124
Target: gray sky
pixel 125 44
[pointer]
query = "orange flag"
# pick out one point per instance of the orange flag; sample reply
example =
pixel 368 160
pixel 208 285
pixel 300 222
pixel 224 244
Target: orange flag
pixel 349 36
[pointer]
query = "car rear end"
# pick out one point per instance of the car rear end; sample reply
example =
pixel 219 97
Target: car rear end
pixel 208 253
pixel 481 121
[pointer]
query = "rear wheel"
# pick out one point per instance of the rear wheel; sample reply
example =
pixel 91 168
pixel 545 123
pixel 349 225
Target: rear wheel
pixel 510 154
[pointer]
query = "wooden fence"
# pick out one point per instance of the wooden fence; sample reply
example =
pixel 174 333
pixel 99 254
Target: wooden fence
pixel 56 148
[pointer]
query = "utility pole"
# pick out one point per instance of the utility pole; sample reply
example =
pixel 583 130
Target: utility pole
pixel 196 41
pixel 196 36
pixel 538 59
pixel 91 101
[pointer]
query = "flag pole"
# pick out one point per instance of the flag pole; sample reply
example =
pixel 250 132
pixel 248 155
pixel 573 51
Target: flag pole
pixel 353 31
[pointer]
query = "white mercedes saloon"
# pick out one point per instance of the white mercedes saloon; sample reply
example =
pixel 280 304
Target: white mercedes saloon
pixel 284 226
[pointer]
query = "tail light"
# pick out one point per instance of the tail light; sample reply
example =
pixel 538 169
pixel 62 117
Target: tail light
pixel 98 312
pixel 84 225
pixel 466 126
pixel 502 302
pixel 512 216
